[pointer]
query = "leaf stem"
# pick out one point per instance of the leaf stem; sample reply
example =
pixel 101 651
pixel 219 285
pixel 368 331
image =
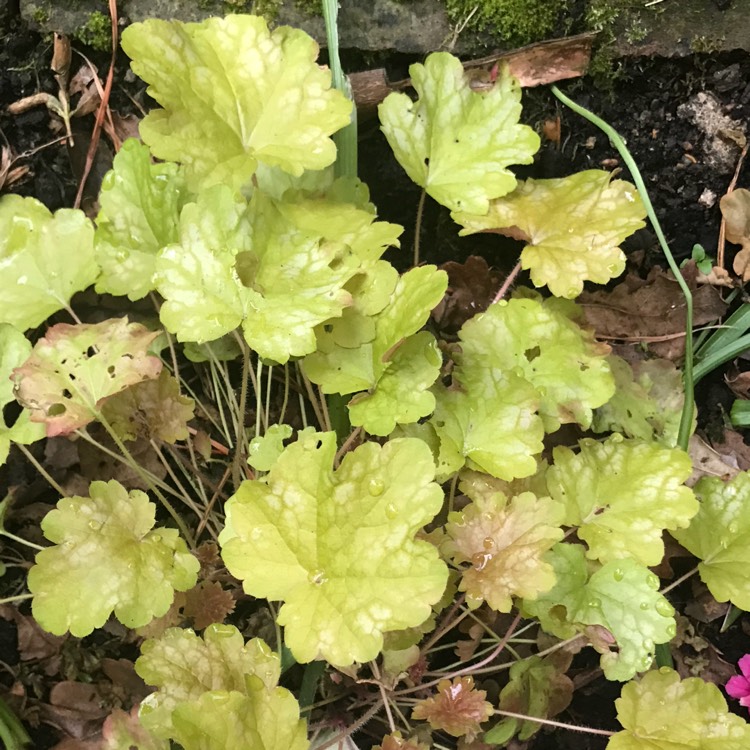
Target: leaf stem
pixel 509 279
pixel 552 723
pixel 347 444
pixel 688 409
pixel 18 539
pixel 19 598
pixel 50 481
pixel 418 225
pixel 679 580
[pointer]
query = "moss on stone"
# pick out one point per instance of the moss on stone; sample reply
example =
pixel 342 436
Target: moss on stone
pixel 96 32
pixel 517 21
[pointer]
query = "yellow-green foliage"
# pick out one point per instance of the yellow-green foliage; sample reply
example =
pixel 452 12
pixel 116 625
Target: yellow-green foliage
pixel 517 21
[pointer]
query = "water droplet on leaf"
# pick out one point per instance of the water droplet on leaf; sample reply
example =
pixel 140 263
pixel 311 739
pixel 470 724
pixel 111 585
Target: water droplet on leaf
pixel 376 487
pixel 317 577
pixel 618 574
pixel 664 608
pixel 95 525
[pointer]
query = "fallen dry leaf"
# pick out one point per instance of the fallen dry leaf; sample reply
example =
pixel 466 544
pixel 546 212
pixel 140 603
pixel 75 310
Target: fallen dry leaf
pixel 208 603
pixel 708 462
pixel 735 207
pixel 651 310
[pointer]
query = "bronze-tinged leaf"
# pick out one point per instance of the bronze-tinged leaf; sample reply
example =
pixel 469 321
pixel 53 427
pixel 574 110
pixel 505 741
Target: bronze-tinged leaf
pixel 208 603
pixel 457 709
pixel 396 742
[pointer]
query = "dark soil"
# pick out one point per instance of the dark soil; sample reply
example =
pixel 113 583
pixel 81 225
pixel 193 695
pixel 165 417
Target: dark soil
pixel 643 105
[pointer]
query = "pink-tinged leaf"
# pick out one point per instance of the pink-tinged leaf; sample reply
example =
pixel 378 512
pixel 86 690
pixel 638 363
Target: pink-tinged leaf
pixel 75 367
pixel 457 708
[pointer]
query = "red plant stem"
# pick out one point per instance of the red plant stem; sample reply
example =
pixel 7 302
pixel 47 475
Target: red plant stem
pixel 511 277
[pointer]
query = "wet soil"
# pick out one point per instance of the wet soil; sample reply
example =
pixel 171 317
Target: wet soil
pixel 645 105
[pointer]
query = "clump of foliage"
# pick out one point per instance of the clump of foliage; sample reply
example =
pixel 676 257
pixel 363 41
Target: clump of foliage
pixel 269 279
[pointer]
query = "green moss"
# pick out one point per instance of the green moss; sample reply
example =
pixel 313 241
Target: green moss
pixel 517 21
pixel 41 15
pixel 96 32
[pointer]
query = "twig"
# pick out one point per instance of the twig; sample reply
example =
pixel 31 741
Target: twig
pixel 552 723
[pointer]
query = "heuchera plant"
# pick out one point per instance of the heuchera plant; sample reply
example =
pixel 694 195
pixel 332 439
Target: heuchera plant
pixel 228 215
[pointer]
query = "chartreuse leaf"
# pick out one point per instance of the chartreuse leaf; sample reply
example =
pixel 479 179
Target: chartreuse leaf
pixel 540 340
pixel 622 494
pixel 394 365
pixel 492 426
pixel 44 259
pixel 264 450
pixel 455 142
pixel 235 94
pixel 719 536
pixel 216 689
pixel 107 556
pixel 203 297
pixel 140 210
pixel 277 268
pixel 338 547
pixel 505 543
pixel 647 403
pixel 621 597
pixel 662 712
pixel 74 367
pixel 573 227
pixel 14 351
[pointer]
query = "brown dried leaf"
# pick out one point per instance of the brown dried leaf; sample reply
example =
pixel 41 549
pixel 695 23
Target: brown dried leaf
pixel 651 310
pixel 471 287
pixel 457 709
pixel 208 603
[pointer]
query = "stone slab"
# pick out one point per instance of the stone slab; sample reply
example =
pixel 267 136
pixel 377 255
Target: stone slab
pixel 675 27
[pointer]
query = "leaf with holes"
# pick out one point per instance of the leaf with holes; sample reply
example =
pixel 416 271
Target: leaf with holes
pixel 338 548
pixel 234 95
pixel 14 351
pixel 662 712
pixel 454 142
pixel 75 367
pixel 539 339
pixel 622 495
pixel 140 210
pixel 44 259
pixel 506 544
pixel 107 557
pixel 573 227
pixel 719 536
pixel 618 606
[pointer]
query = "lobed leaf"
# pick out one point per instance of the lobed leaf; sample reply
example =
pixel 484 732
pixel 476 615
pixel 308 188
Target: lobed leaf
pixel 75 367
pixel 140 209
pixel 621 598
pixel 394 365
pixel 458 708
pixel 44 259
pixel 154 409
pixel 338 547
pixel 647 403
pixel 662 712
pixel 539 339
pixel 14 351
pixel 107 557
pixel 572 226
pixel 492 426
pixel 719 536
pixel 454 142
pixel 622 495
pixel 234 95
pixel 506 544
